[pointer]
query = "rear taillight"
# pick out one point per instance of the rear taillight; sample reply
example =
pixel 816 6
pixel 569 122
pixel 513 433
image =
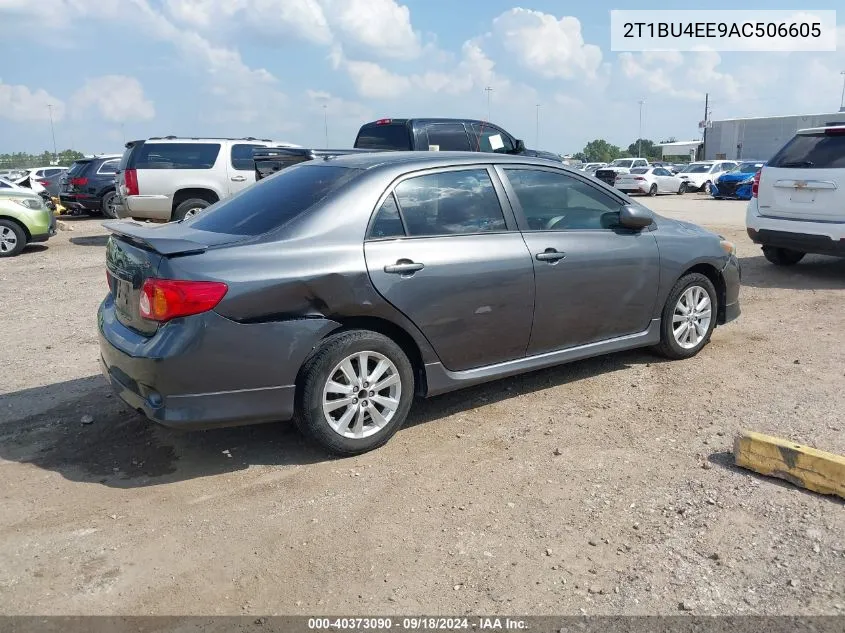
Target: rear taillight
pixel 80 182
pixel 43 183
pixel 755 184
pixel 130 181
pixel 165 299
pixel 638 178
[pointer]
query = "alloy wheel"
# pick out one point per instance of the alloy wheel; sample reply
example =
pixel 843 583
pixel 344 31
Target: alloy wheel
pixel 691 317
pixel 362 395
pixel 8 240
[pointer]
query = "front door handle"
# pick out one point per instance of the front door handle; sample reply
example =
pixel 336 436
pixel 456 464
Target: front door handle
pixel 238 178
pixel 404 267
pixel 550 255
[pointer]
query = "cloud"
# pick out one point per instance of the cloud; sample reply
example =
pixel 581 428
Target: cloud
pixel 685 76
pixel 382 26
pixel 20 103
pixel 117 98
pixel 375 82
pixel 548 46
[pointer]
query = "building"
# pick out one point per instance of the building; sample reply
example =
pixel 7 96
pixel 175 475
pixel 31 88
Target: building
pixel 688 150
pixel 759 138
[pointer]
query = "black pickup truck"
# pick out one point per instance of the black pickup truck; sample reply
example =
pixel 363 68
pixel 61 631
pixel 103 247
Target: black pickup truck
pixel 445 135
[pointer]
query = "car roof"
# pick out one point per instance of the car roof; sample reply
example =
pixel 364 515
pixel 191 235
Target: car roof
pixel 425 160
pixel 405 121
pixel 819 130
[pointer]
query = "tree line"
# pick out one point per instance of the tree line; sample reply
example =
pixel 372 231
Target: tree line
pixel 19 160
pixel 600 151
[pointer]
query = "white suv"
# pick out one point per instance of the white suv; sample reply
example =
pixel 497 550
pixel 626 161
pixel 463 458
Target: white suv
pixel 171 178
pixel 700 175
pixel 798 198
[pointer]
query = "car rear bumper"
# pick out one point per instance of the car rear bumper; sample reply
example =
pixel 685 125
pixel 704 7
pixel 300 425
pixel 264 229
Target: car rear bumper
pixel 150 207
pixel 822 238
pixel 77 202
pixel 207 371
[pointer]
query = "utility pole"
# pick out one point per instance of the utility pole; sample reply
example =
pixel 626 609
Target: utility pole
pixel 842 98
pixel 326 123
pixel 706 118
pixel 489 91
pixel 537 132
pixel 640 135
pixel 53 132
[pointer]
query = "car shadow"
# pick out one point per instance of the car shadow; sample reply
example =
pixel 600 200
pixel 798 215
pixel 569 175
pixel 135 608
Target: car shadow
pixel 814 272
pixel 80 430
pixel 725 459
pixel 90 240
pixel 32 249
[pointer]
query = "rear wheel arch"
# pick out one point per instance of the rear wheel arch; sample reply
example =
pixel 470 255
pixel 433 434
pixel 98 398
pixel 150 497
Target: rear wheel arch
pixel 715 277
pixel 182 195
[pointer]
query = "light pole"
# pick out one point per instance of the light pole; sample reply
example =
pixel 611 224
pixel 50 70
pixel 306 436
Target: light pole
pixel 53 132
pixel 842 98
pixel 326 123
pixel 123 133
pixel 489 91
pixel 640 134
pixel 537 131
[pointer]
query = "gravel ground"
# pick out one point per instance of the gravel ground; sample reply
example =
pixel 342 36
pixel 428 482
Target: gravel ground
pixel 601 487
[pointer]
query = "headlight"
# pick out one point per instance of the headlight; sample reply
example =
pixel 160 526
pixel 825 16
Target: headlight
pixel 747 181
pixel 29 203
pixel 728 247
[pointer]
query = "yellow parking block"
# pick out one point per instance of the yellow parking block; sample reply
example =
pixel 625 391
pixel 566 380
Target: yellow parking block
pixel 801 465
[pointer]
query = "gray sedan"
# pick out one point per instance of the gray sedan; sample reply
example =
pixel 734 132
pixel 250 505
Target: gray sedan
pixel 335 291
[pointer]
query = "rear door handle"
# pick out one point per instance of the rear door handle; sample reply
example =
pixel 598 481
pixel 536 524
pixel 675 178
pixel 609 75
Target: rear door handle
pixel 404 267
pixel 550 255
pixel 238 178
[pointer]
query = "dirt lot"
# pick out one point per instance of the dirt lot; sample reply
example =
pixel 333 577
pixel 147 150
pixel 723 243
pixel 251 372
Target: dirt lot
pixel 467 510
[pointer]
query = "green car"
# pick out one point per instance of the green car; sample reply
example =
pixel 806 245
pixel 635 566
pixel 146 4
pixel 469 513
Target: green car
pixel 24 218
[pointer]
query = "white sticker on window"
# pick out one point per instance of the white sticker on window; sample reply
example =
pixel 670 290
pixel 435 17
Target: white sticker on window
pixel 496 142
pixel 433 148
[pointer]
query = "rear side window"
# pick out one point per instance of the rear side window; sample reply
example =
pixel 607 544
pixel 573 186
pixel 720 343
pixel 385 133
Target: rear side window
pixel 452 202
pixel 390 136
pixel 387 222
pixel 812 151
pixel 242 157
pixel 108 167
pixel 78 167
pixel 176 156
pixel 274 201
pixel 448 137
pixel 490 139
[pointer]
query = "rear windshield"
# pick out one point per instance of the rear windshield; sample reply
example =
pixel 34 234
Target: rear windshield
pixel 748 168
pixel 640 170
pixel 78 167
pixel 273 201
pixel 394 136
pixel 176 156
pixel 697 169
pixel 812 151
pixel 127 155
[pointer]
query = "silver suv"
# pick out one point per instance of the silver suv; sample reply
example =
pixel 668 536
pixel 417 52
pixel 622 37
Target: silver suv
pixel 171 178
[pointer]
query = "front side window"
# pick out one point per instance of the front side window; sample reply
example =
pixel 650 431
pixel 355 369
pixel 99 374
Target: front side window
pixel 449 203
pixel 176 156
pixel 490 139
pixel 553 201
pixel 448 137
pixel 242 157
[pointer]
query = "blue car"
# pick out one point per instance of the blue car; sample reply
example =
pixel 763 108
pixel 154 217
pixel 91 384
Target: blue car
pixel 737 183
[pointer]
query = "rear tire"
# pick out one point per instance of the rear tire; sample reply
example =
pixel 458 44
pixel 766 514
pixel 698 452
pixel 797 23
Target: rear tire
pixel 107 206
pixel 335 409
pixel 705 187
pixel 12 238
pixel 652 191
pixel 690 290
pixel 782 256
pixel 190 207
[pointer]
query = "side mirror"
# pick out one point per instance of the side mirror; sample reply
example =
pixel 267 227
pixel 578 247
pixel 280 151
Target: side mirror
pixel 634 217
pixel 520 146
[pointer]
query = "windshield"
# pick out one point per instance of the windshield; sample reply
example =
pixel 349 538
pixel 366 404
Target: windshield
pixel 621 163
pixel 697 169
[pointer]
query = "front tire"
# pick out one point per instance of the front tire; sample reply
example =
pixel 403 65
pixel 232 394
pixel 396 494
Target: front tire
pixel 688 317
pixel 354 392
pixel 12 238
pixel 782 256
pixel 682 189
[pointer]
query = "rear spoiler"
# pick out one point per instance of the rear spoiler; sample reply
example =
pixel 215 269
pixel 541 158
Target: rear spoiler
pixel 269 160
pixel 145 236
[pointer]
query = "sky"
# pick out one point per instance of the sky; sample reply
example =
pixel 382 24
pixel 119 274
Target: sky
pixel 116 70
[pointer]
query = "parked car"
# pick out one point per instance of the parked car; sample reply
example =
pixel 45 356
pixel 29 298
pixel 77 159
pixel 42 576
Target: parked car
pixel 650 181
pixel 798 198
pixel 7 184
pixel 444 135
pixel 89 186
pixel 592 167
pixel 24 219
pixel 171 178
pixel 700 175
pixel 619 166
pixel 337 289
pixel 736 183
pixel 11 174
